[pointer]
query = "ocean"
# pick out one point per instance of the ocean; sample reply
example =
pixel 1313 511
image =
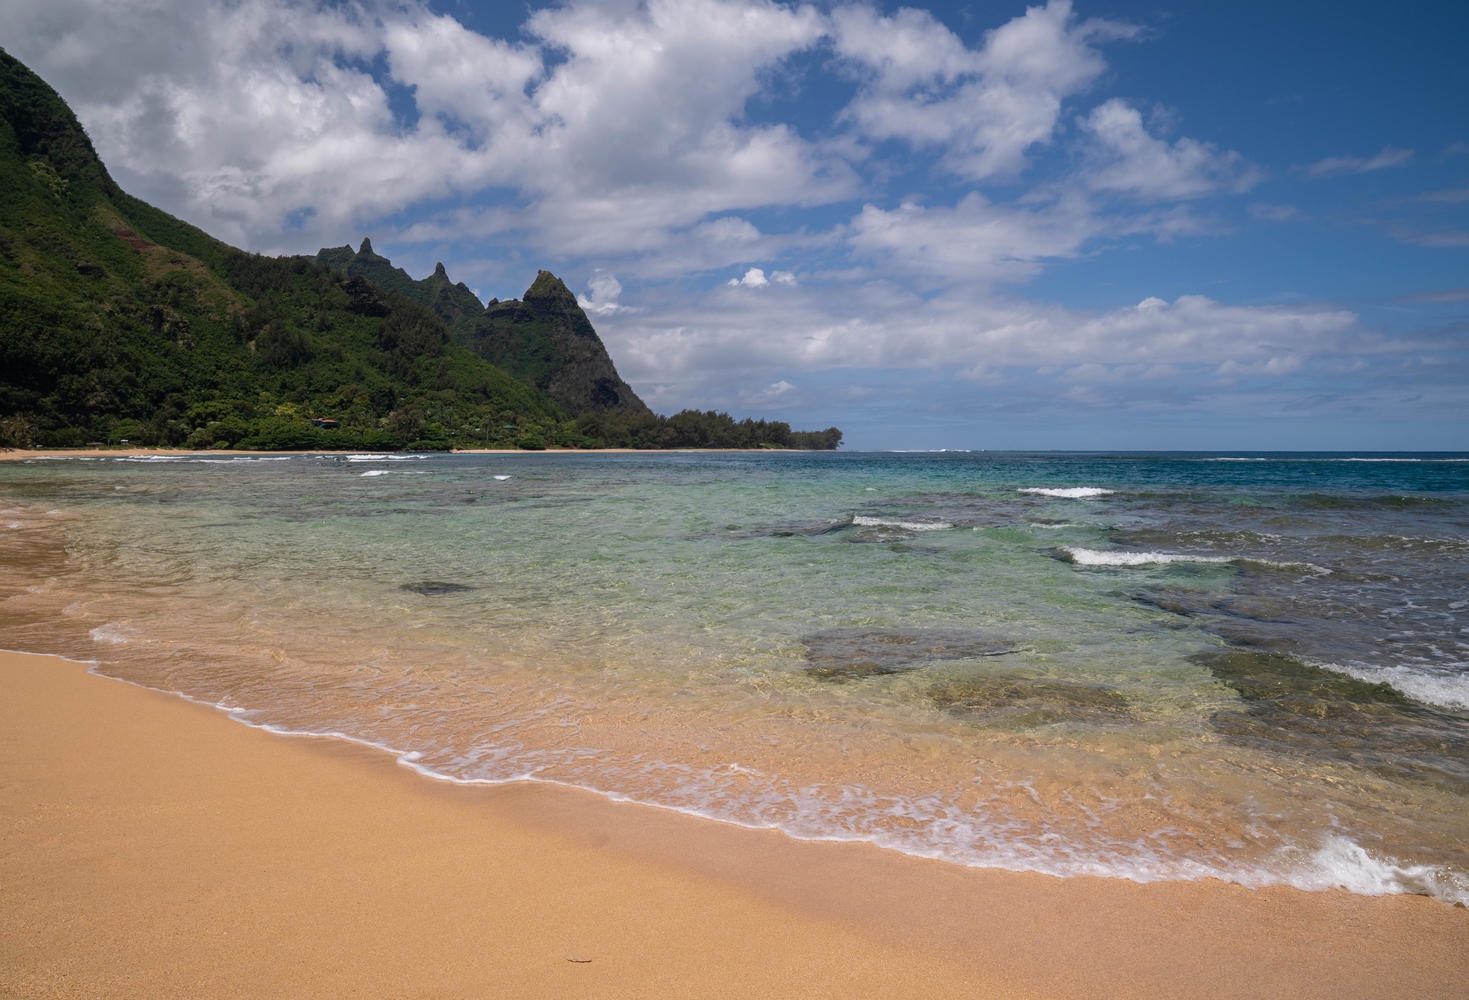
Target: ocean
pixel 1251 667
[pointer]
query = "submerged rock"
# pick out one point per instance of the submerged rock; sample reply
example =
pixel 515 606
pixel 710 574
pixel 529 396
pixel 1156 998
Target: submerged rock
pixel 1030 701
pixel 435 588
pixel 1289 706
pixel 807 529
pixel 849 653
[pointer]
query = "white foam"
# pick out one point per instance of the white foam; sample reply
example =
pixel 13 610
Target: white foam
pixel 878 522
pixel 394 472
pixel 114 633
pixel 243 459
pixel 375 457
pixel 1442 690
pixel 199 459
pixel 1069 492
pixel 1092 557
pixel 1311 568
pixel 1341 863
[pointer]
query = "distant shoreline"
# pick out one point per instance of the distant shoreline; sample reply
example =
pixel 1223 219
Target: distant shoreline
pixel 20 454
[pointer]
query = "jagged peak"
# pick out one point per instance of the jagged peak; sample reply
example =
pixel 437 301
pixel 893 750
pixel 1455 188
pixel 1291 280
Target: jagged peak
pixel 549 288
pixel 366 249
pixel 439 271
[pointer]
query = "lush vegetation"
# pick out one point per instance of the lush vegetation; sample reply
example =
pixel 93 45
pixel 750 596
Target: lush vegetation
pixel 695 429
pixel 120 323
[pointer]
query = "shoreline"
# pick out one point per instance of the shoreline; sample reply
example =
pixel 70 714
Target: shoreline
pixel 153 847
pixel 20 454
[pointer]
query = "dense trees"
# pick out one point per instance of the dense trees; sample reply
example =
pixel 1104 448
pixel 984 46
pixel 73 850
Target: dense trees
pixel 694 429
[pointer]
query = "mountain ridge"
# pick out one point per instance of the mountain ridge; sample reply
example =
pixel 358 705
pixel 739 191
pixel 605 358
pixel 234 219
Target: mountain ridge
pixel 120 322
pixel 543 338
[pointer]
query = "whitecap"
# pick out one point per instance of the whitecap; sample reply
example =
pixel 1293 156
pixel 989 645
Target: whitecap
pixel 1069 492
pixel 1441 690
pixel 1093 557
pixel 878 522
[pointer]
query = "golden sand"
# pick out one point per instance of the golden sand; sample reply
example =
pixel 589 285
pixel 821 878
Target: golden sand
pixel 153 848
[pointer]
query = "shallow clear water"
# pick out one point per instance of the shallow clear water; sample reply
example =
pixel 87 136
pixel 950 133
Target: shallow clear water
pixel 1146 666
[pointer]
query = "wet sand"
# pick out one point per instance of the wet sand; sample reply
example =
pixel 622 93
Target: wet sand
pixel 152 847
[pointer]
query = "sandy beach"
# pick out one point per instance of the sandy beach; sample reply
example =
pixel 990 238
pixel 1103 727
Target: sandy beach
pixel 153 847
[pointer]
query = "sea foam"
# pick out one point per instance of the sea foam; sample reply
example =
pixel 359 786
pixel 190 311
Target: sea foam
pixel 1341 863
pixel 1093 557
pixel 113 633
pixel 1069 492
pixel 1441 690
pixel 879 522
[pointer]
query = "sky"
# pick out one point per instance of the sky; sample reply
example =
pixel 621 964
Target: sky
pixel 1080 224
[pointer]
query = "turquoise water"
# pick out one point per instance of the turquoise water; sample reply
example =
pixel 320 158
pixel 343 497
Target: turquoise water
pixel 1251 667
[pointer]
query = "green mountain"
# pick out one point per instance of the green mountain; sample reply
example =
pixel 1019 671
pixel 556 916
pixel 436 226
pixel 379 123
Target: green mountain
pixel 120 322
pixel 543 338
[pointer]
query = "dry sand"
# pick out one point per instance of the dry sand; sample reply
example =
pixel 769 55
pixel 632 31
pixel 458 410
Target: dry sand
pixel 153 848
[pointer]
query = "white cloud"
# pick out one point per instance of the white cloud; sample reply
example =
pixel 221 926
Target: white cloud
pixel 244 116
pixel 777 393
pixel 1336 166
pixel 984 109
pixel 675 74
pixel 975 240
pixel 1128 160
pixel 725 337
pixel 603 290
pixel 755 278
pixel 462 76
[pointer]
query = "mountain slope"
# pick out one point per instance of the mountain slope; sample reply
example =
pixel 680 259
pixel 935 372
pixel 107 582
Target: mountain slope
pixel 120 321
pixel 543 338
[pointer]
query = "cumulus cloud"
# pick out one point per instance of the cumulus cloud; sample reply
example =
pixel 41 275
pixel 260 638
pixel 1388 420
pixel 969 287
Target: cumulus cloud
pixel 1129 160
pixel 984 108
pixel 242 116
pixel 755 277
pixel 974 240
pixel 603 290
pixel 775 394
pixel 675 74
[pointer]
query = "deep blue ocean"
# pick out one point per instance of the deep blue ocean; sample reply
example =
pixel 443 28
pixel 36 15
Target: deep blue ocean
pixel 1253 667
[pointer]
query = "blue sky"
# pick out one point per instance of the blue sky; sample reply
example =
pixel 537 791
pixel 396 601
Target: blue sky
pixel 1176 225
